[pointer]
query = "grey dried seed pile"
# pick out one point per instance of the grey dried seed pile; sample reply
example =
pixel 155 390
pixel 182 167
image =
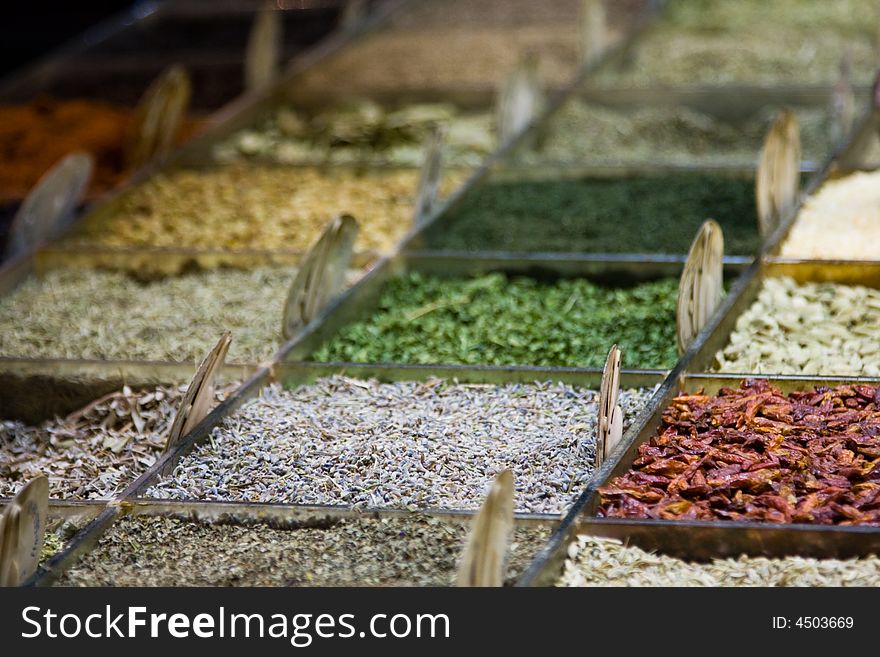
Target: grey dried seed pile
pixel 411 445
pixel 73 313
pixel 96 451
pixel 806 328
pixel 607 562
pixel 409 550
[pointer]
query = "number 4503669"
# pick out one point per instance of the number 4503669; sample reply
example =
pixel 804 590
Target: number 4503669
pixel 824 622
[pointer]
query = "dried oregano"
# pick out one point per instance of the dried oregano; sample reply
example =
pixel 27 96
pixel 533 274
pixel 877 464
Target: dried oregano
pixel 497 320
pixel 405 550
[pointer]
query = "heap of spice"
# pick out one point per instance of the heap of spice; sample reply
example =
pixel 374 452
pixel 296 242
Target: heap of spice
pixel 466 45
pixel 358 550
pixel 583 132
pixel 257 207
pixel 410 445
pixel 607 562
pixel 755 454
pixel 364 133
pixel 35 136
pixel 752 41
pixel 446 58
pixel 839 222
pixel 599 216
pixel 496 320
pixel 93 314
pixel 806 328
pixel 96 451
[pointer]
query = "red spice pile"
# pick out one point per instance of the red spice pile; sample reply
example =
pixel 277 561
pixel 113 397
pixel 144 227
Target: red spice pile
pixel 754 454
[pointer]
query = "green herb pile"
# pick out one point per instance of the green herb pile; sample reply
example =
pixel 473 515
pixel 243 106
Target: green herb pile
pixel 496 320
pixel 652 214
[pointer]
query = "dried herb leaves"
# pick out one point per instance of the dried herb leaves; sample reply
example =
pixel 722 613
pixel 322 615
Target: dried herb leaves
pixel 600 215
pixel 406 550
pixel 363 132
pixel 496 320
pixel 94 452
pixel 72 313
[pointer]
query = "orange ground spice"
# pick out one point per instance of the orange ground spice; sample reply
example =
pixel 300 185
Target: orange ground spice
pixel 34 136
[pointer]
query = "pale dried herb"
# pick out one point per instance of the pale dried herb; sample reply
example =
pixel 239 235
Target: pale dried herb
pixel 413 445
pixel 588 133
pixel 608 562
pixel 496 320
pixel 405 550
pixel 363 132
pixel 753 41
pixel 72 313
pixel 96 451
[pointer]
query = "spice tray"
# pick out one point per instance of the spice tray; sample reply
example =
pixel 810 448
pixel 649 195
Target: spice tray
pixel 257 282
pixel 361 301
pixel 699 540
pixel 547 210
pixel 301 402
pixel 291 375
pixel 846 273
pixel 424 548
pixel 718 128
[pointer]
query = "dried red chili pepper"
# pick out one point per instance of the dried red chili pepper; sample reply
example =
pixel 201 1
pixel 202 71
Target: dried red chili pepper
pixel 754 454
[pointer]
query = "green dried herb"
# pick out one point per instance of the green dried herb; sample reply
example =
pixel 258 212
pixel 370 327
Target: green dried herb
pixel 518 321
pixel 652 214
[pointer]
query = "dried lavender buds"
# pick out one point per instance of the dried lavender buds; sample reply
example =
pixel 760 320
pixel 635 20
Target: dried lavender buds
pixel 363 132
pixel 841 221
pixel 405 550
pixel 412 445
pixel 70 313
pixel 96 451
pixel 607 562
pixel 806 328
pixel 258 207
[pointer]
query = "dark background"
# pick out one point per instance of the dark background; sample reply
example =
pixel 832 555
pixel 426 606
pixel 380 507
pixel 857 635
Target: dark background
pixel 29 29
